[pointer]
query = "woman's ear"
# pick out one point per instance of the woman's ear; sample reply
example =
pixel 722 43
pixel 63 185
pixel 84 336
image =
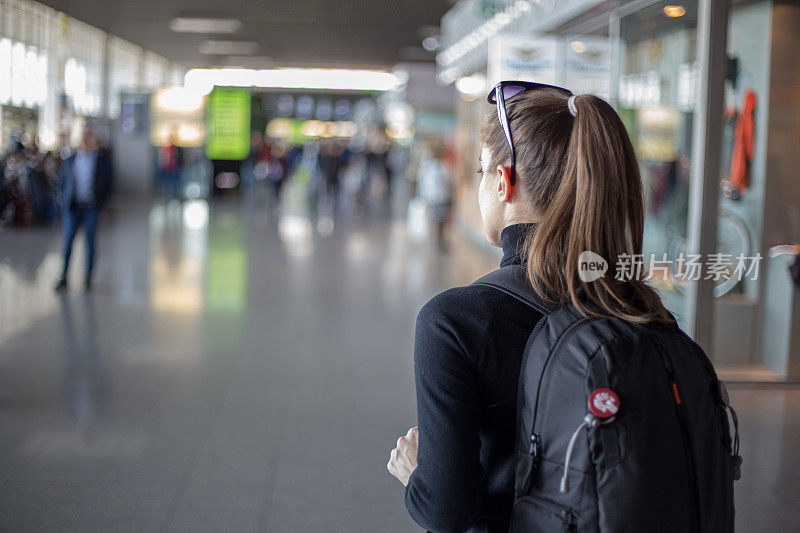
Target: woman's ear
pixel 505 190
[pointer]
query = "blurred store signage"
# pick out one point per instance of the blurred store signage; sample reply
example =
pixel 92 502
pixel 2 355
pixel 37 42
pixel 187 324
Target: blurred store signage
pixel 228 124
pixel 522 57
pixel 640 90
pixel 587 66
pixel 133 114
pixel 470 24
pixel 582 65
pixel 296 131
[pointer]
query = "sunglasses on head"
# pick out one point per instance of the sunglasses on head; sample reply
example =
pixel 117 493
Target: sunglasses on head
pixel 505 90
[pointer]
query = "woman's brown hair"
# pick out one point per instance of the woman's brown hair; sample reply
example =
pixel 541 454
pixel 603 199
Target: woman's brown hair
pixel 581 175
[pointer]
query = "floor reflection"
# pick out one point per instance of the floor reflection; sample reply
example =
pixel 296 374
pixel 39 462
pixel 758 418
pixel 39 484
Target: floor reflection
pixel 226 358
pixel 178 253
pixel 84 385
pixel 26 294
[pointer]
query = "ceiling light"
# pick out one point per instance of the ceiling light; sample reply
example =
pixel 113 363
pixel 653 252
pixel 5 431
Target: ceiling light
pixel 471 86
pixel 674 11
pixel 177 100
pixel 430 43
pixel 235 48
pixel 578 47
pixel 448 76
pixel 401 76
pixel 398 114
pixel 204 25
pixel 204 80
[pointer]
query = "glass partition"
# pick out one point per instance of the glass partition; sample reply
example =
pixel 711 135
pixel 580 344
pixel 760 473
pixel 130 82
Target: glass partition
pixel 655 95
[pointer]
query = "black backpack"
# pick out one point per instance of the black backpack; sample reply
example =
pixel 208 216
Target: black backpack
pixel 620 426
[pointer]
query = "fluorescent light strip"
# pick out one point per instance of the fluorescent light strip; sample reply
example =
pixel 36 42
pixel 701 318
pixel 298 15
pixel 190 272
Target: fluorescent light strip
pixel 237 48
pixel 204 80
pixel 204 25
pixel 483 32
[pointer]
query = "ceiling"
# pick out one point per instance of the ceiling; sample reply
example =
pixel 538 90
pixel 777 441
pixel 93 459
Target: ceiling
pixel 342 33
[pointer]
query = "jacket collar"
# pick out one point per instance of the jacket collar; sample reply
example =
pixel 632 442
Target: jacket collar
pixel 513 239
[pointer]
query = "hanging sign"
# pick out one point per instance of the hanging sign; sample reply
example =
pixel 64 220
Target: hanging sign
pixel 228 125
pixel 523 58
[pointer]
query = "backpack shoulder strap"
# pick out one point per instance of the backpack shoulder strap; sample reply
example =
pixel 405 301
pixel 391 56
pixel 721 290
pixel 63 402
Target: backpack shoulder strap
pixel 513 280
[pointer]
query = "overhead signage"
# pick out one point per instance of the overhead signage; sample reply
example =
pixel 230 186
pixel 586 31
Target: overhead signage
pixel 228 125
pixel 580 64
pixel 523 58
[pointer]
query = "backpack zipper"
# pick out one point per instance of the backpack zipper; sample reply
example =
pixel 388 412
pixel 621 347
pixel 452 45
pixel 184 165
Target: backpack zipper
pixel 544 383
pixel 566 521
pixel 688 452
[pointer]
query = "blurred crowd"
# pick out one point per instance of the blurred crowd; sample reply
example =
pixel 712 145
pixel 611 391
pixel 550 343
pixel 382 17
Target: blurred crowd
pixel 330 176
pixel 29 183
pixel 334 175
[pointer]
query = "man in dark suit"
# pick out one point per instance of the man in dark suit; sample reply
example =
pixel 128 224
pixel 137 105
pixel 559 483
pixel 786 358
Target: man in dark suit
pixel 86 180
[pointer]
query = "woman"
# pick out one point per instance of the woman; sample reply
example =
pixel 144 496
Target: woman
pixel 563 178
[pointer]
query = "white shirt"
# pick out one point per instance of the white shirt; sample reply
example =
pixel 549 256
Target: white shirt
pixel 84 167
pixel 433 186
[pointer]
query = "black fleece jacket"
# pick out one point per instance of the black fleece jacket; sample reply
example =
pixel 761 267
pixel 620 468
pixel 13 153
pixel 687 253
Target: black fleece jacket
pixel 467 355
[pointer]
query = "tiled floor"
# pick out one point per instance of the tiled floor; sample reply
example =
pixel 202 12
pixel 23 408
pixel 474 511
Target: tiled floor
pixel 234 373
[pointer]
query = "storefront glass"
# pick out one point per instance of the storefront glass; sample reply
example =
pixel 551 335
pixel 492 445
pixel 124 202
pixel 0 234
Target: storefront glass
pixel 655 96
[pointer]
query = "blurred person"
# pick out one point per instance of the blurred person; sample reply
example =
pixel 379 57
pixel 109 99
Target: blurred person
pixel 294 156
pixel 558 177
pixel 41 191
pixel 86 181
pixel 329 162
pixel 15 143
pixel 170 159
pixel 353 179
pixel 276 170
pixel 259 152
pixel 396 165
pixel 377 168
pixel 15 177
pixel 51 167
pixel 434 188
pixel 5 194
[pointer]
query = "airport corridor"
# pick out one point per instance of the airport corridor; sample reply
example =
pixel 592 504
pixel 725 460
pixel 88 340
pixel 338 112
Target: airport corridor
pixel 227 373
pixel 231 371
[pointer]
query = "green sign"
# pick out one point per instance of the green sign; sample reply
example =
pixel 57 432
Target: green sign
pixel 488 8
pixel 228 124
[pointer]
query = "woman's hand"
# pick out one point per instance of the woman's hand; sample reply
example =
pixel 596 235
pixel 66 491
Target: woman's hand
pixel 403 459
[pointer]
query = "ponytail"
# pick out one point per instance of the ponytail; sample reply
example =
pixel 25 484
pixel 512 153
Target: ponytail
pixel 595 205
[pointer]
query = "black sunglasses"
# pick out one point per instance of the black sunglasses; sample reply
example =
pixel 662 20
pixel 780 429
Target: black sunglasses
pixel 505 90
